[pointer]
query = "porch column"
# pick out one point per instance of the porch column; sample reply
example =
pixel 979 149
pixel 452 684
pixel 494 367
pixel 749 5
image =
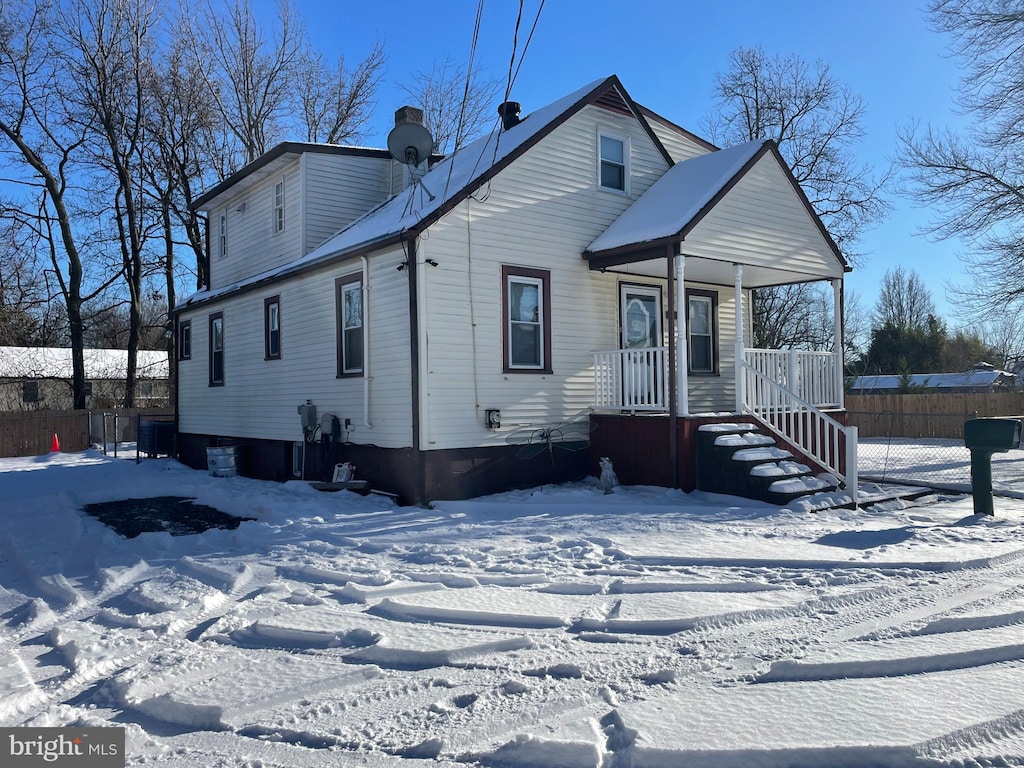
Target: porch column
pixel 682 361
pixel 838 341
pixel 741 398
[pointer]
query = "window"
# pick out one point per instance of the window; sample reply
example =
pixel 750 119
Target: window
pixel 350 324
pixel 222 236
pixel 272 328
pixel 30 391
pixel 614 163
pixel 702 331
pixel 217 349
pixel 526 301
pixel 279 207
pixel 185 340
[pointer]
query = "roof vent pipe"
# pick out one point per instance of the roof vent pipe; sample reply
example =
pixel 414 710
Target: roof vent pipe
pixel 509 111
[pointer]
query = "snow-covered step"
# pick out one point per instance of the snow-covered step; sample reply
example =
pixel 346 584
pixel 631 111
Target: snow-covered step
pixel 727 427
pixel 799 485
pixel 762 454
pixel 744 440
pixel 780 469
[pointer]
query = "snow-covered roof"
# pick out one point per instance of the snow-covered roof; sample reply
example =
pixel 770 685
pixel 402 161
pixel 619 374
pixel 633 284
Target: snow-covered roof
pixel 448 182
pixel 674 200
pixel 976 378
pixel 55 363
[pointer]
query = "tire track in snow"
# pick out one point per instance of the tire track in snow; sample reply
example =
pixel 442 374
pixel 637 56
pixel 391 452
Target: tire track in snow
pixel 79 680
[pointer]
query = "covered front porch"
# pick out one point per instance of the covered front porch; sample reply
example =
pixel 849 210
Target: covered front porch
pixel 713 229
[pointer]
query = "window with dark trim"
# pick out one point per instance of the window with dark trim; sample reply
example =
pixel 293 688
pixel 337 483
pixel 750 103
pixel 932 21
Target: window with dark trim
pixel 272 328
pixel 217 349
pixel 613 167
pixel 526 319
pixel 702 331
pixel 349 300
pixel 30 391
pixel 185 340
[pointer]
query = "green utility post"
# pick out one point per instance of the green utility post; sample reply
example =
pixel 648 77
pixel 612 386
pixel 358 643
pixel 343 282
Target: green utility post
pixel 984 437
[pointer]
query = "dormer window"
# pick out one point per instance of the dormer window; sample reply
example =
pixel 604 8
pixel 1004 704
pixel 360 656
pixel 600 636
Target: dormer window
pixel 613 172
pixel 279 207
pixel 222 236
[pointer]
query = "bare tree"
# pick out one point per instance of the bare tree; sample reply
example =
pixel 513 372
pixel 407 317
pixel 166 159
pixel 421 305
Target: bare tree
pixel 974 182
pixel 251 79
pixel 107 45
pixel 903 300
pixel 816 122
pixel 336 102
pixel 455 107
pixel 41 146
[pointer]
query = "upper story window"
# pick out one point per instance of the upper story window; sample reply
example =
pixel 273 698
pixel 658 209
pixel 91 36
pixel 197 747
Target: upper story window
pixel 613 171
pixel 526 305
pixel 222 235
pixel 185 340
pixel 350 324
pixel 279 207
pixel 272 328
pixel 217 349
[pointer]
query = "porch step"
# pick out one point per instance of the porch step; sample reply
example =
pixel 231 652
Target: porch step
pixel 739 459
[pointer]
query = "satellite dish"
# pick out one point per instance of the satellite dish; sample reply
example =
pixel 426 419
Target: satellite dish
pixel 410 143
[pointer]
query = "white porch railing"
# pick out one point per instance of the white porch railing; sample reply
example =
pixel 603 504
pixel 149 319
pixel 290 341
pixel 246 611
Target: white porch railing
pixel 632 379
pixel 816 377
pixel 793 418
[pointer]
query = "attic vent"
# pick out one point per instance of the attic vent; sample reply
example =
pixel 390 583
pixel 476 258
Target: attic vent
pixel 612 100
pixel 509 111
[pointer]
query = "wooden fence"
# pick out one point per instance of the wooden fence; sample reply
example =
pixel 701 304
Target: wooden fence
pixel 930 415
pixel 30 433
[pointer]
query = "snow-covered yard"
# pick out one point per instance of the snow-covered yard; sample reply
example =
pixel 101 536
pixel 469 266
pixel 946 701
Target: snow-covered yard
pixel 553 627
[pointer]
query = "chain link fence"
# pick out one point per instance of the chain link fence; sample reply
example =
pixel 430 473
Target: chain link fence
pixel 926 449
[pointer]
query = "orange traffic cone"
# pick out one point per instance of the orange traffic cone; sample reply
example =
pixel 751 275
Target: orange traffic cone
pixel 55 444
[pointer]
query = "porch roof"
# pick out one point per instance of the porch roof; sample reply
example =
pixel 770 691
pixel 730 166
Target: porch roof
pixel 739 205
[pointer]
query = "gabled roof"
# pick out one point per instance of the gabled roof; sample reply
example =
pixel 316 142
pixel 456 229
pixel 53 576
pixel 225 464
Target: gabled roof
pixel 670 205
pixel 679 200
pixel 448 183
pixel 55 363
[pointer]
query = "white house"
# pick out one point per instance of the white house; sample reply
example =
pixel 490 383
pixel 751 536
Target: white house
pixel 523 291
pixel 38 378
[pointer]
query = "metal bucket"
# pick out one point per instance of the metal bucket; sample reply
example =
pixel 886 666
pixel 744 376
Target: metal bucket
pixel 222 460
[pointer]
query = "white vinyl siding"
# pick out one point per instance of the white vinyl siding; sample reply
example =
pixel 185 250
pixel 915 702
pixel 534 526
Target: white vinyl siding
pixel 762 221
pixel 541 212
pixel 340 189
pixel 259 397
pixel 680 146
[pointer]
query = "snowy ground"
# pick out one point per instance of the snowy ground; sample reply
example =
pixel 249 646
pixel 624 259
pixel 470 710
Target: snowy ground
pixel 557 627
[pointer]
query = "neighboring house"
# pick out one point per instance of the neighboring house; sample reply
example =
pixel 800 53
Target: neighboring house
pixel 983 377
pixel 529 280
pixel 39 378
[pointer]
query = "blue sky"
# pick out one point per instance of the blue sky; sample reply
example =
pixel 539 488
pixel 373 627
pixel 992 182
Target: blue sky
pixel 667 54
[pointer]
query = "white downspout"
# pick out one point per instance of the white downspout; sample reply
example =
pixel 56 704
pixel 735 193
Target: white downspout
pixel 741 398
pixel 366 343
pixel 682 364
pixel 421 311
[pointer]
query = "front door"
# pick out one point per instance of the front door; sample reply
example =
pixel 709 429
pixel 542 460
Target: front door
pixel 640 335
pixel 640 310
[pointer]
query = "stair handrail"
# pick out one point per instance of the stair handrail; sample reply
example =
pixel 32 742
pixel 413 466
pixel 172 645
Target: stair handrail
pixel 804 439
